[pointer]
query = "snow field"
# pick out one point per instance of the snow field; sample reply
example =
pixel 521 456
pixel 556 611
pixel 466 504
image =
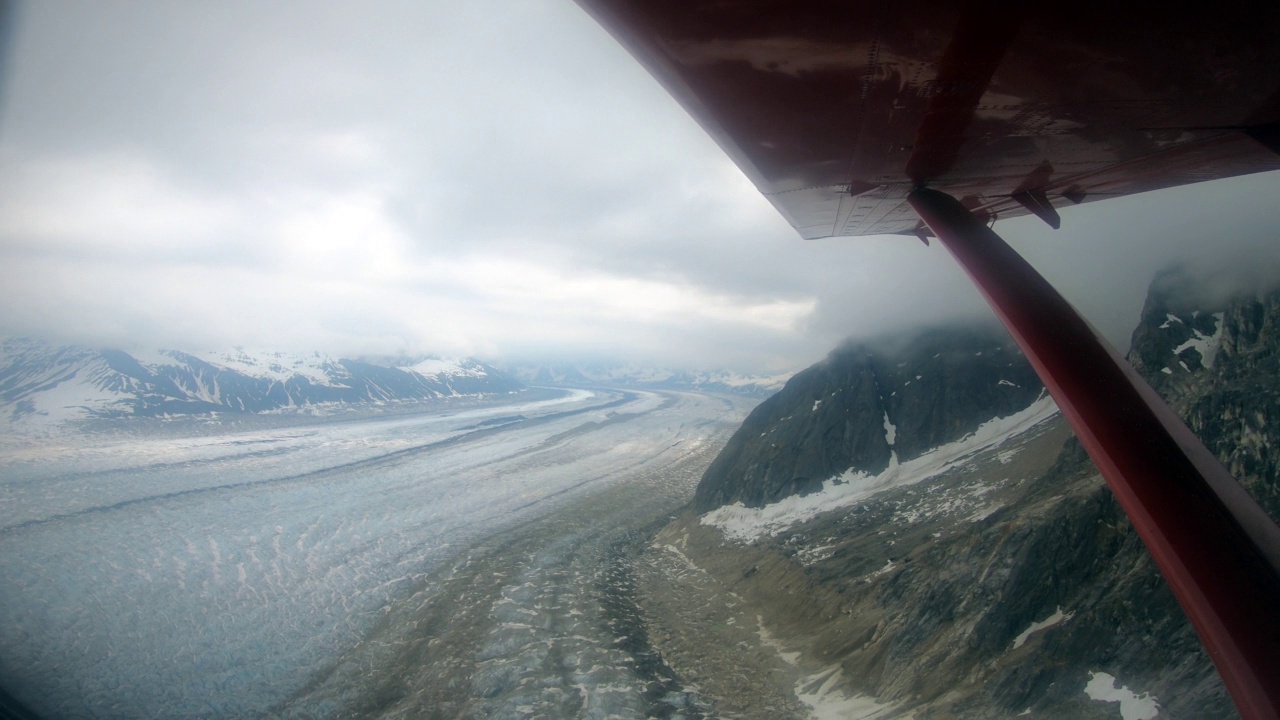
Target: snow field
pixel 745 524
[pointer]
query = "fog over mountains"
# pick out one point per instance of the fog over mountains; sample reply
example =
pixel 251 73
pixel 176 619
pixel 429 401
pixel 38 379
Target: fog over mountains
pixel 913 526
pixel 619 374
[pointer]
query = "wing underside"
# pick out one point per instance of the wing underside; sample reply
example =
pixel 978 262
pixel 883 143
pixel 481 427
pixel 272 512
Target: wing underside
pixel 837 110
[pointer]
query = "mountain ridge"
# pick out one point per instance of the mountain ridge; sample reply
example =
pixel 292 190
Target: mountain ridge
pixel 870 403
pixel 42 382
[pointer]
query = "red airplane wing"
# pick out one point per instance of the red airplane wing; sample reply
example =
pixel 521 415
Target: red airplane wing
pixel 862 118
pixel 837 110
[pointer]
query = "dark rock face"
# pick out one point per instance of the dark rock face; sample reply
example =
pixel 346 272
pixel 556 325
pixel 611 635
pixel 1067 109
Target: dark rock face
pixel 934 597
pixel 110 383
pixel 921 392
pixel 1218 365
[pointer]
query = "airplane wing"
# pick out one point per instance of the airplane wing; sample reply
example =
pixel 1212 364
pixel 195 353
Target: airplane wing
pixel 837 110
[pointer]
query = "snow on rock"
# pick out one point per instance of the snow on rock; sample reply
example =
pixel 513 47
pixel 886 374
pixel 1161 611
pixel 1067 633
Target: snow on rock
pixel 1102 687
pixel 43 385
pixel 821 692
pixel 745 524
pixel 451 367
pixel 768 639
pixel 888 568
pixel 1035 627
pixel 76 398
pixel 1206 345
pixel 268 365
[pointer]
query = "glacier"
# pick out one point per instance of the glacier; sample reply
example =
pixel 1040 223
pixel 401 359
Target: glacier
pixel 218 572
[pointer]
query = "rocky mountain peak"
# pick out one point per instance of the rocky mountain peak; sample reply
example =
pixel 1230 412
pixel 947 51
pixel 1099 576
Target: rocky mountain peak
pixel 1179 333
pixel 866 405
pixel 1216 360
pixel 42 383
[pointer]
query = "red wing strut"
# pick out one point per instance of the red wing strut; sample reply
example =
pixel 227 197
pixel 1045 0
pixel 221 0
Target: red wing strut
pixel 1215 546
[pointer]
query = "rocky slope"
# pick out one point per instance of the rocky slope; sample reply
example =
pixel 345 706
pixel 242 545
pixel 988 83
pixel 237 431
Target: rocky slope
pixel 1217 361
pixel 866 404
pixel 895 564
pixel 40 382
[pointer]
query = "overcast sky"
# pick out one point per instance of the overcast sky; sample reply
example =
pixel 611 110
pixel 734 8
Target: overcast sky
pixel 496 179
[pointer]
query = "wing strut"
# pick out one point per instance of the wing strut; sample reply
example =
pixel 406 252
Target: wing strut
pixel 1216 547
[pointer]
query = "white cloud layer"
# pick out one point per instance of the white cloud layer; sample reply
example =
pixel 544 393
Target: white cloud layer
pixel 492 178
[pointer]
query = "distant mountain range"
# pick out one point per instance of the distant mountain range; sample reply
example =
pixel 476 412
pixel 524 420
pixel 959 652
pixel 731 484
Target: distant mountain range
pixel 622 375
pixel 43 383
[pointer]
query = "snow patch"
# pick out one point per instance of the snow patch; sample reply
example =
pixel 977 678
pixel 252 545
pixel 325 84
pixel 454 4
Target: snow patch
pixel 812 556
pixel 745 524
pixel 1171 318
pixel 1035 627
pixel 984 513
pixel 1206 345
pixel 450 367
pixel 821 692
pixel 890 431
pixel 826 701
pixel 689 564
pixel 766 638
pixel 1102 687
pixel 268 365
pixel 76 398
pixel 888 568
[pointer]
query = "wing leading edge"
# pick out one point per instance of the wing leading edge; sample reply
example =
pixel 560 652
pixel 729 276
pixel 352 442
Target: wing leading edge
pixel 838 110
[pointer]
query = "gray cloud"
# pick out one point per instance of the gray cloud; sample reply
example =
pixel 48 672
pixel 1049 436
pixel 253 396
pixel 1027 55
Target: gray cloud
pixel 496 178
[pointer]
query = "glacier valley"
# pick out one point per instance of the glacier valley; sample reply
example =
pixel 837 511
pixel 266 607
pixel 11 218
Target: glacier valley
pixel 399 565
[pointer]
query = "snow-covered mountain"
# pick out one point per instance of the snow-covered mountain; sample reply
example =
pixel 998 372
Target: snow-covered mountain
pixel 622 375
pixel 42 383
